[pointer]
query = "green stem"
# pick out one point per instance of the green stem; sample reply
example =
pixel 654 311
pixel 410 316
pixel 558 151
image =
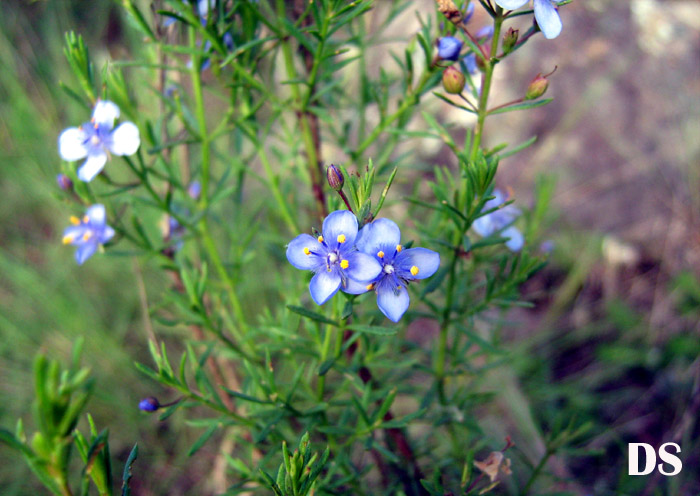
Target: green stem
pixel 209 245
pixel 486 86
pixel 200 112
pixel 408 102
pixel 303 115
pixel 536 472
pixel 482 112
pixel 324 356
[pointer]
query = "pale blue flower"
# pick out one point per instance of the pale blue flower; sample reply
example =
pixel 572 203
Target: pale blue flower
pixel 332 257
pixel 88 233
pixel 97 139
pixel 545 13
pixel 382 240
pixel 500 222
pixel 485 33
pixel 449 48
pixel 469 13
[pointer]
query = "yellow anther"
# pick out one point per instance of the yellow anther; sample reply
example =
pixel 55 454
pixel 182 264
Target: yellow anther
pixel 341 238
pixel 87 236
pixel 320 239
pixel 307 251
pixel 344 264
pixel 399 248
pixel 370 286
pixel 86 219
pixel 68 239
pixel 380 254
pixel 96 125
pixel 74 220
pixel 414 270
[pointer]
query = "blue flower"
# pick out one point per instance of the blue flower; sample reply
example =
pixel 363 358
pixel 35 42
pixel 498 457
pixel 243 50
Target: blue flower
pixel 449 48
pixel 332 256
pixel 500 221
pixel 97 138
pixel 470 64
pixel 545 13
pixel 382 240
pixel 88 233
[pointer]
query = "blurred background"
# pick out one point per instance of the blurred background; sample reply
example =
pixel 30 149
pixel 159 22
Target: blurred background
pixel 613 338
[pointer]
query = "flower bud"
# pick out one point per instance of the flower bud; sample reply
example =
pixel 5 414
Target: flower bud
pixel 510 39
pixel 335 177
pixel 64 182
pixel 149 404
pixel 537 87
pixel 449 48
pixel 453 80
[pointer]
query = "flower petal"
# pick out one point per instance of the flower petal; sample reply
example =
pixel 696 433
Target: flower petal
pixel 516 241
pixel 125 139
pixel 70 144
pixel 483 226
pixel 378 234
pixel 92 166
pixel 107 234
pixel 85 251
pixel 392 303
pixel 105 112
pixel 547 18
pixel 296 255
pixel 74 233
pixel 427 261
pixel 340 222
pixel 323 285
pixel 354 287
pixel 511 4
pixel 362 267
pixel 97 215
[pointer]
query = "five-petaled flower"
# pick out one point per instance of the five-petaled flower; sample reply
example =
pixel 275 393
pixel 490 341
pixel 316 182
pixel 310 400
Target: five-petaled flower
pixel 332 256
pixel 500 221
pixel 545 13
pixel 88 233
pixel 97 138
pixel 382 240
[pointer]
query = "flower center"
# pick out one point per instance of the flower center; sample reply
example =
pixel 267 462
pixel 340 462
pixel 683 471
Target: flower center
pixel 332 257
pixel 389 269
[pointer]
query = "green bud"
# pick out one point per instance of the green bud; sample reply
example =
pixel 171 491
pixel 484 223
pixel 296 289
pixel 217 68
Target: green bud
pixel 453 80
pixel 510 39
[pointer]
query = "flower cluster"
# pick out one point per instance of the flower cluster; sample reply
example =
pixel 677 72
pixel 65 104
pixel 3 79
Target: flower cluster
pixel 94 141
pixel 500 221
pixel 372 259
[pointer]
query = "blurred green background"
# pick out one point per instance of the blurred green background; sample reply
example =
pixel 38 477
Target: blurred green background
pixel 614 337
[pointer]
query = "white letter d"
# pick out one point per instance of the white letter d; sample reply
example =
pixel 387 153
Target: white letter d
pixel 634 459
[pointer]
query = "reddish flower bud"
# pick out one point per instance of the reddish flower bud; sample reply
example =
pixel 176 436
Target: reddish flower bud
pixel 335 177
pixel 538 86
